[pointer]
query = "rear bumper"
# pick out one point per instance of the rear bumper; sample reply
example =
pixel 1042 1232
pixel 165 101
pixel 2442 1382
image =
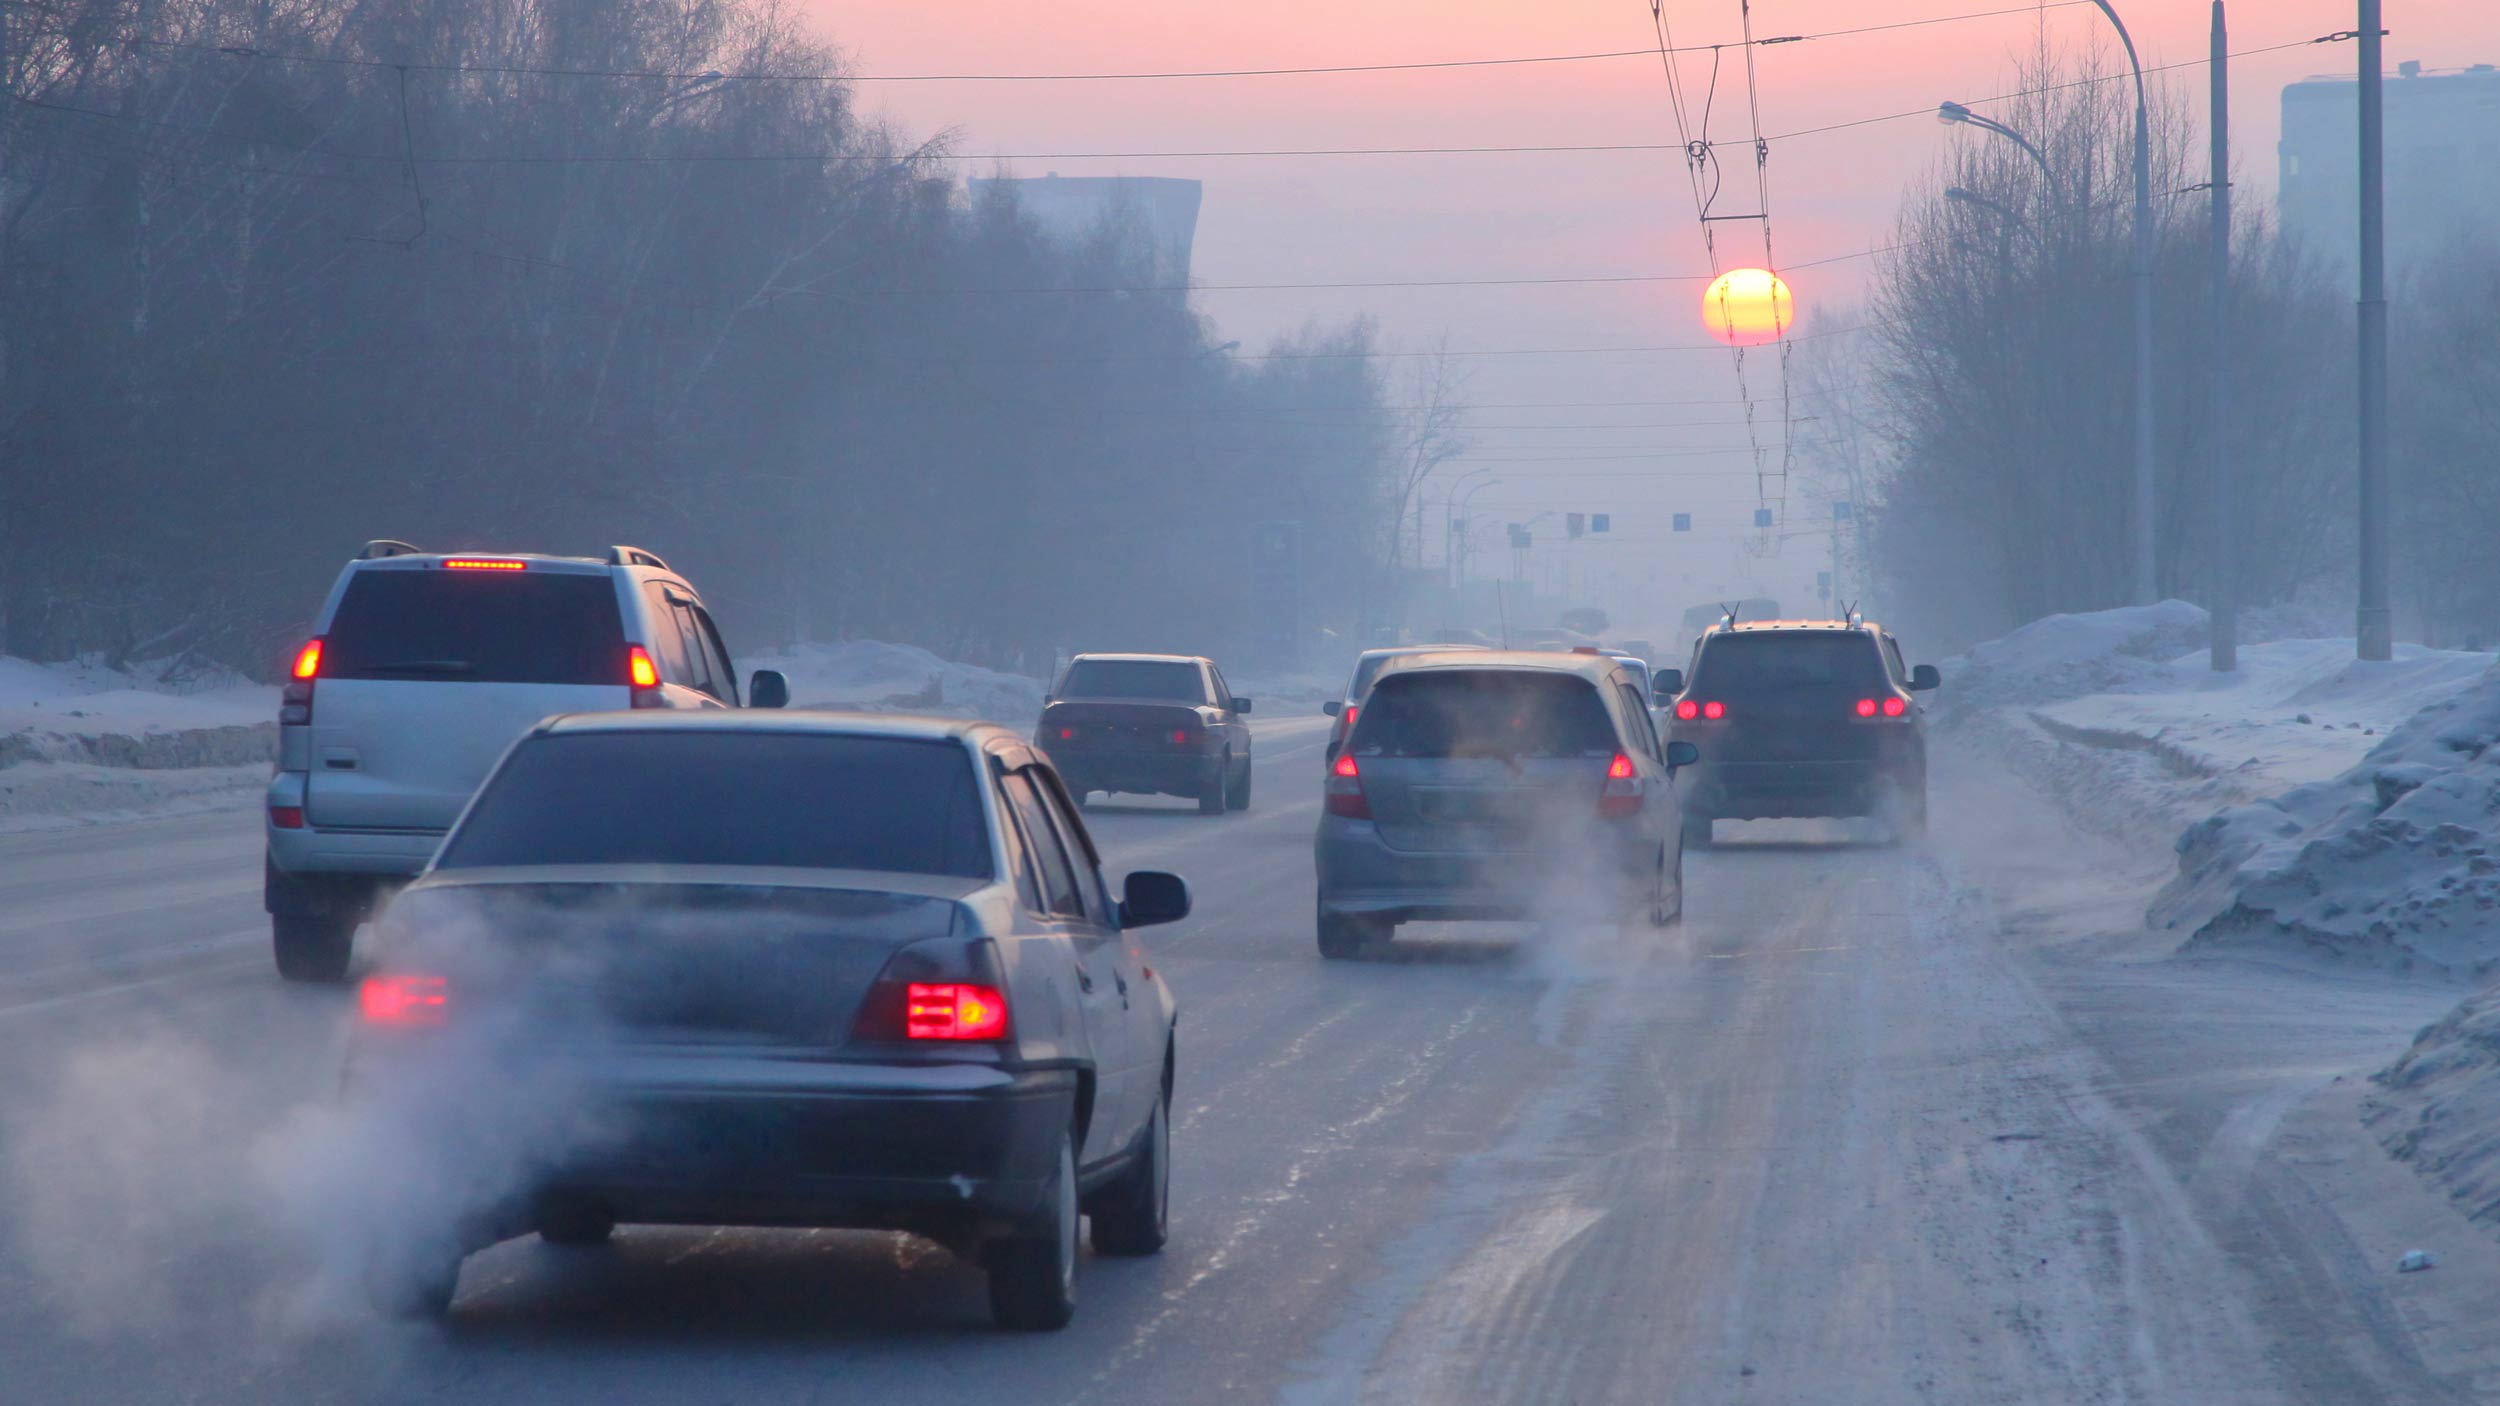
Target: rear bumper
pixel 1777 790
pixel 309 850
pixel 1359 875
pixel 1167 773
pixel 946 1151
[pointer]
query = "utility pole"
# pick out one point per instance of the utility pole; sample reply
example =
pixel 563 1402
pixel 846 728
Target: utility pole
pixel 2374 629
pixel 2226 500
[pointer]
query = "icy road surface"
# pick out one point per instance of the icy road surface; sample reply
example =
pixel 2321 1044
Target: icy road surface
pixel 1876 1126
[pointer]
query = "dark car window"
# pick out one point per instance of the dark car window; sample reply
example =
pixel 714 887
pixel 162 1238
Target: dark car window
pixel 1638 712
pixel 700 671
pixel 1775 660
pixel 1163 680
pixel 1050 855
pixel 1484 713
pixel 724 674
pixel 477 627
pixel 804 800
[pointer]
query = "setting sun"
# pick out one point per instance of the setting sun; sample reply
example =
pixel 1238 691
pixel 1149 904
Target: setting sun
pixel 1747 307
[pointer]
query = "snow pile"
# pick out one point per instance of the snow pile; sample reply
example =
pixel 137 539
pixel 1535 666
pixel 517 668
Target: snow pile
pixel 2441 1102
pixel 86 698
pixel 2069 656
pixel 2395 861
pixel 870 676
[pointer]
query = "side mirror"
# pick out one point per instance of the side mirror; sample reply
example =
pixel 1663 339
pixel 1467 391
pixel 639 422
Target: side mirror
pixel 1666 684
pixel 1925 677
pixel 768 689
pixel 1333 707
pixel 1241 705
pixel 1150 896
pixel 1682 754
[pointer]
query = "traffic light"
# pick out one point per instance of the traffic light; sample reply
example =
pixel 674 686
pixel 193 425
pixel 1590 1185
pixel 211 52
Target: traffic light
pixel 1683 522
pixel 1574 524
pixel 1600 522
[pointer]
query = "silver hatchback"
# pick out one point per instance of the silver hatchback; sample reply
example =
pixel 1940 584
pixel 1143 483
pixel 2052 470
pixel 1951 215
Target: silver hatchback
pixel 1501 786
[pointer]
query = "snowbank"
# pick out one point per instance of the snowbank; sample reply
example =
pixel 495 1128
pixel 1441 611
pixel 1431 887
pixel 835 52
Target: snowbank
pixel 2070 656
pixel 2394 861
pixel 2440 1104
pixel 82 743
pixel 869 676
pixel 86 699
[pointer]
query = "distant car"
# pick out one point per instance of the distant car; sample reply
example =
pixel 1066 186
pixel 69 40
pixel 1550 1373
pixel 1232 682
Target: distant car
pixel 1366 668
pixel 1149 724
pixel 794 969
pixel 1498 785
pixel 1801 718
pixel 421 668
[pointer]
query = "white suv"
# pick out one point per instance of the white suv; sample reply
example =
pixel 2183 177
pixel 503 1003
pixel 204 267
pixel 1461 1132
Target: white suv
pixel 421 670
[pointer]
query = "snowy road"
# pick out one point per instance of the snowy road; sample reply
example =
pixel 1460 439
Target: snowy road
pixel 1856 1133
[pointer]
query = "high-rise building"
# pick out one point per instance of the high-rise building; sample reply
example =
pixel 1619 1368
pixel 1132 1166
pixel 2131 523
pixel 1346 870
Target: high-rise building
pixel 1161 211
pixel 2442 154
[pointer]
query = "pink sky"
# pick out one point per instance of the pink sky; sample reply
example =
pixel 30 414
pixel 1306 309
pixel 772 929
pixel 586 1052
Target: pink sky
pixel 1527 216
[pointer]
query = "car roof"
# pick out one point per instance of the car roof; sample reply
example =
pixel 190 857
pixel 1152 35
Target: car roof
pixel 1394 650
pixel 821 722
pixel 1593 667
pixel 1746 627
pixel 1146 658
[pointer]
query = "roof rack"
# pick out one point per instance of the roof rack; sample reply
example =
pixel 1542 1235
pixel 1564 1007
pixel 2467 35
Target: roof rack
pixel 634 556
pixel 381 547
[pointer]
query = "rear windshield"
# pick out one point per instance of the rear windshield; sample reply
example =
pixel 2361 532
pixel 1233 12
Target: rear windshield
pixel 477 627
pixel 1484 713
pixel 1162 680
pixel 1739 663
pixel 809 801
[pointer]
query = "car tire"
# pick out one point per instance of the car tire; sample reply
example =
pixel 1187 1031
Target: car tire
pixel 313 947
pixel 1134 1214
pixel 1211 796
pixel 1697 832
pixel 1033 1276
pixel 1237 797
pixel 1342 936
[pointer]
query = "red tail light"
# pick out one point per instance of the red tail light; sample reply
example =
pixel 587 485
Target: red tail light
pixel 405 1002
pixel 1067 734
pixel 953 1011
pixel 1892 707
pixel 1350 710
pixel 295 700
pixel 1181 736
pixel 1345 790
pixel 1686 710
pixel 1895 707
pixel 1621 795
pixel 483 564
pixel 1866 707
pixel 643 677
pixel 1714 711
pixel 287 817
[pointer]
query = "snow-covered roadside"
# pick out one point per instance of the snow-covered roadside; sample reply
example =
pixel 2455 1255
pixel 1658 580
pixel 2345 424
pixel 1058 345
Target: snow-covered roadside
pixel 875 677
pixel 81 743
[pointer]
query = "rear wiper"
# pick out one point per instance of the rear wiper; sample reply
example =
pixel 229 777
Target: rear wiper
pixel 420 666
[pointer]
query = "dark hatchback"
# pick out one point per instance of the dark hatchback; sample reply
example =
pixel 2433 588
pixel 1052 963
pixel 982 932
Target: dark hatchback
pixel 1800 719
pixel 774 970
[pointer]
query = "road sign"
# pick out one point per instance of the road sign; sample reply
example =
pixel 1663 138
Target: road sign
pixel 1600 522
pixel 1762 517
pixel 1683 522
pixel 1574 524
pixel 1519 538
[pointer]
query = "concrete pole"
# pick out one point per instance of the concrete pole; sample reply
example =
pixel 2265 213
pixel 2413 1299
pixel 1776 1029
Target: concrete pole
pixel 2374 626
pixel 2226 603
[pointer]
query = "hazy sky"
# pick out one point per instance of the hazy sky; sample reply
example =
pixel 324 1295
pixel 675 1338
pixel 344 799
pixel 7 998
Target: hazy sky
pixel 1322 219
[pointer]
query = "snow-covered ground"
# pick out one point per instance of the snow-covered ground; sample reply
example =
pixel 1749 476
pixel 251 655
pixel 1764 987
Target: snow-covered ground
pixel 87 699
pixel 81 743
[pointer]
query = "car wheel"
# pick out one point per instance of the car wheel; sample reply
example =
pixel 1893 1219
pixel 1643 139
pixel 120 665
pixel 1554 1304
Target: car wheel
pixel 1033 1276
pixel 1211 796
pixel 413 1282
pixel 1342 936
pixel 1237 796
pixel 1134 1216
pixel 1697 832
pixel 313 946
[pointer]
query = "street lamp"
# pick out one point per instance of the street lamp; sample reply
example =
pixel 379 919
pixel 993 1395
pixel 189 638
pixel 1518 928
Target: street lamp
pixel 1458 528
pixel 2146 586
pixel 1953 114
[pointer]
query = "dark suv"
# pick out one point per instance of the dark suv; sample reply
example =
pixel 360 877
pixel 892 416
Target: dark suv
pixel 1800 718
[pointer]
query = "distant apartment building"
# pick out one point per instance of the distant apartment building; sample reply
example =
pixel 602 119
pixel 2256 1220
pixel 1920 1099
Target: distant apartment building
pixel 2443 164
pixel 1159 210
